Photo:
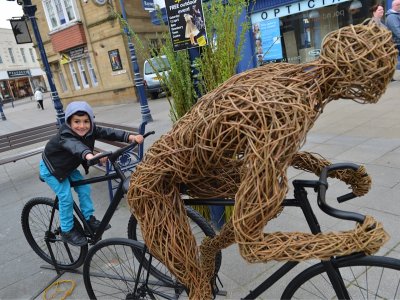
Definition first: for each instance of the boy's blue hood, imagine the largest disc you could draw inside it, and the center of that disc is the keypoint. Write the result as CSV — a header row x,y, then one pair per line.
x,y
76,106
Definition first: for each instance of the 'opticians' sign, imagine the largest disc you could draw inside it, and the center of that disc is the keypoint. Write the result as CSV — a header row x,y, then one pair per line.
x,y
290,9
18,73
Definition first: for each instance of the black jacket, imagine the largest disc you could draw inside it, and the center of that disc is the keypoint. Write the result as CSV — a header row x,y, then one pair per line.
x,y
66,151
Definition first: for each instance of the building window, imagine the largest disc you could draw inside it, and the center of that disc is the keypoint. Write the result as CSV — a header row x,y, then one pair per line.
x,y
10,51
23,54
74,76
1,60
59,12
92,73
63,83
32,55
82,72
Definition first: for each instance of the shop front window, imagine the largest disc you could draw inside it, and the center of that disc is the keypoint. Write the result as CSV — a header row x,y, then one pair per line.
x,y
297,37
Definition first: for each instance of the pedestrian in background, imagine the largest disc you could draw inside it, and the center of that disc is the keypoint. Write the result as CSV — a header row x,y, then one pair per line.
x,y
393,21
378,11
39,98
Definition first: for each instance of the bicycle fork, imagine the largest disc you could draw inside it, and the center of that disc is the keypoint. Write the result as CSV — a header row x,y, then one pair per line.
x,y
50,237
333,273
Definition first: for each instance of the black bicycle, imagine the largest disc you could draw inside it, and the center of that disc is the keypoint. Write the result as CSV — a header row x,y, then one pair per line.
x,y
119,268
41,227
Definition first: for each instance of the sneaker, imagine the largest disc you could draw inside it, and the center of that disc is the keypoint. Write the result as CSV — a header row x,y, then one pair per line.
x,y
95,224
74,237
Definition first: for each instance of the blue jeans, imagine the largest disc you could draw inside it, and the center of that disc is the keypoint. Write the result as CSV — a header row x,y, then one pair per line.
x,y
65,199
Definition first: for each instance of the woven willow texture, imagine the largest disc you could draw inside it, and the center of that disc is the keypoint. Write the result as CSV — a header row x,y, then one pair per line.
x,y
238,141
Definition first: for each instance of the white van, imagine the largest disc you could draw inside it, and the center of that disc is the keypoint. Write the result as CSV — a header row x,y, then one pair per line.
x,y
151,80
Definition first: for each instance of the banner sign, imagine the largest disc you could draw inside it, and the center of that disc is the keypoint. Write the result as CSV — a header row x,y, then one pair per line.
x,y
77,53
73,54
186,24
21,31
148,4
290,9
271,46
19,73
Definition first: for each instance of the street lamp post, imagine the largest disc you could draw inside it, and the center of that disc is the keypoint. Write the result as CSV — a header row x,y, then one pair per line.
x,y
30,10
144,107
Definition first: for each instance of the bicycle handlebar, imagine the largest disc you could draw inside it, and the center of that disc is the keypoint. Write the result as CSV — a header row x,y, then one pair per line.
x,y
323,186
112,156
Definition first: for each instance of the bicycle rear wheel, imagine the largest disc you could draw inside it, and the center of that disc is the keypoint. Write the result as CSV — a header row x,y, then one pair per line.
x,y
114,270
200,228
35,220
364,277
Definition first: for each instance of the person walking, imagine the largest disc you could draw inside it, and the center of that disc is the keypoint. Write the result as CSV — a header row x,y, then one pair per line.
x,y
3,116
393,22
39,98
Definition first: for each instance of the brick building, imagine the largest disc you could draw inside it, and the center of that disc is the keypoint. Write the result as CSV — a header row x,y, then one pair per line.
x,y
87,49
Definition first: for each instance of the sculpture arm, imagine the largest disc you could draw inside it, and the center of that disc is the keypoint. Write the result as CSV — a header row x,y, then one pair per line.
x,y
359,180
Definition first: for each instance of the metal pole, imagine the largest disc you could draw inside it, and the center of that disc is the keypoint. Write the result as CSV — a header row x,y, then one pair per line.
x,y
144,107
30,10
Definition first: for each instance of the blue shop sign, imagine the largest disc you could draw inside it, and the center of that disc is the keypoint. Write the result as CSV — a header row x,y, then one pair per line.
x,y
19,73
292,8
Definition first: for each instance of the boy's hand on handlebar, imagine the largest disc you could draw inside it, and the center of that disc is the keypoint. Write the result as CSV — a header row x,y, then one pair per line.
x,y
136,138
102,160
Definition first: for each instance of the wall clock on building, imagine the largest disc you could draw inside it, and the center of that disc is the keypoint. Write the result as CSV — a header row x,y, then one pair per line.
x,y
100,2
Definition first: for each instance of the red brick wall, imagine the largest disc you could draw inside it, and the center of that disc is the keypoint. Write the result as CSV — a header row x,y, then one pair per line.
x,y
68,38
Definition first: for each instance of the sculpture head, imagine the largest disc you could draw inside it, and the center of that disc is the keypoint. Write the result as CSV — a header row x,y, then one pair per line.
x,y
364,58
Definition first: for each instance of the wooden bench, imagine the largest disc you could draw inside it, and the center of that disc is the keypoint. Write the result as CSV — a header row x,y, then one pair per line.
x,y
16,140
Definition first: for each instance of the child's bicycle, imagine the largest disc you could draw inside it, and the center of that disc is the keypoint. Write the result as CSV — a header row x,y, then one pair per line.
x,y
41,227
119,268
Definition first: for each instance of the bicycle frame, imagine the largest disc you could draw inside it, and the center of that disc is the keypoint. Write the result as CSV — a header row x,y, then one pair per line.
x,y
119,194
300,200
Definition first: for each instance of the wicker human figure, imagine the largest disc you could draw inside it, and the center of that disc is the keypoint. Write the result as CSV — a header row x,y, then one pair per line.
x,y
239,140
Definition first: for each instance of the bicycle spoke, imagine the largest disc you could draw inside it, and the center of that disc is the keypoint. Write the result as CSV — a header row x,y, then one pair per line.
x,y
368,277
113,271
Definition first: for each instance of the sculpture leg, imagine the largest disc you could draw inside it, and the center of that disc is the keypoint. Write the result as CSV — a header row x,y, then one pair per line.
x,y
210,246
258,200
167,233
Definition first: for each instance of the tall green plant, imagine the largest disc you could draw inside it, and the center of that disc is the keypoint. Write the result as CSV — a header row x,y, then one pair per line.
x,y
220,58
217,62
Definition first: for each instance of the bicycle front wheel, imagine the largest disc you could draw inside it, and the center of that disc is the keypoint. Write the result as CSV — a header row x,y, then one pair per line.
x,y
35,220
365,277
200,229
114,270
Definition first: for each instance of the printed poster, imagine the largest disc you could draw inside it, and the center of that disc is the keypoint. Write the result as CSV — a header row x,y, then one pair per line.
x,y
186,24
268,42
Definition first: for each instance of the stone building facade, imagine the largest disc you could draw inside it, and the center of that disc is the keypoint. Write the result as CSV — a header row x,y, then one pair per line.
x,y
87,48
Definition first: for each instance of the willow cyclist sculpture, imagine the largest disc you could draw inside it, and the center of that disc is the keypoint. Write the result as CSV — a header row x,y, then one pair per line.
x,y
238,142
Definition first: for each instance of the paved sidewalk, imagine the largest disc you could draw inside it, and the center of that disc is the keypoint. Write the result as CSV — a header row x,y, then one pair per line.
x,y
346,131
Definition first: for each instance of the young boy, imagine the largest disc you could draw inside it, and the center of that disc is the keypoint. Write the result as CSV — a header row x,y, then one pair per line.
x,y
72,146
